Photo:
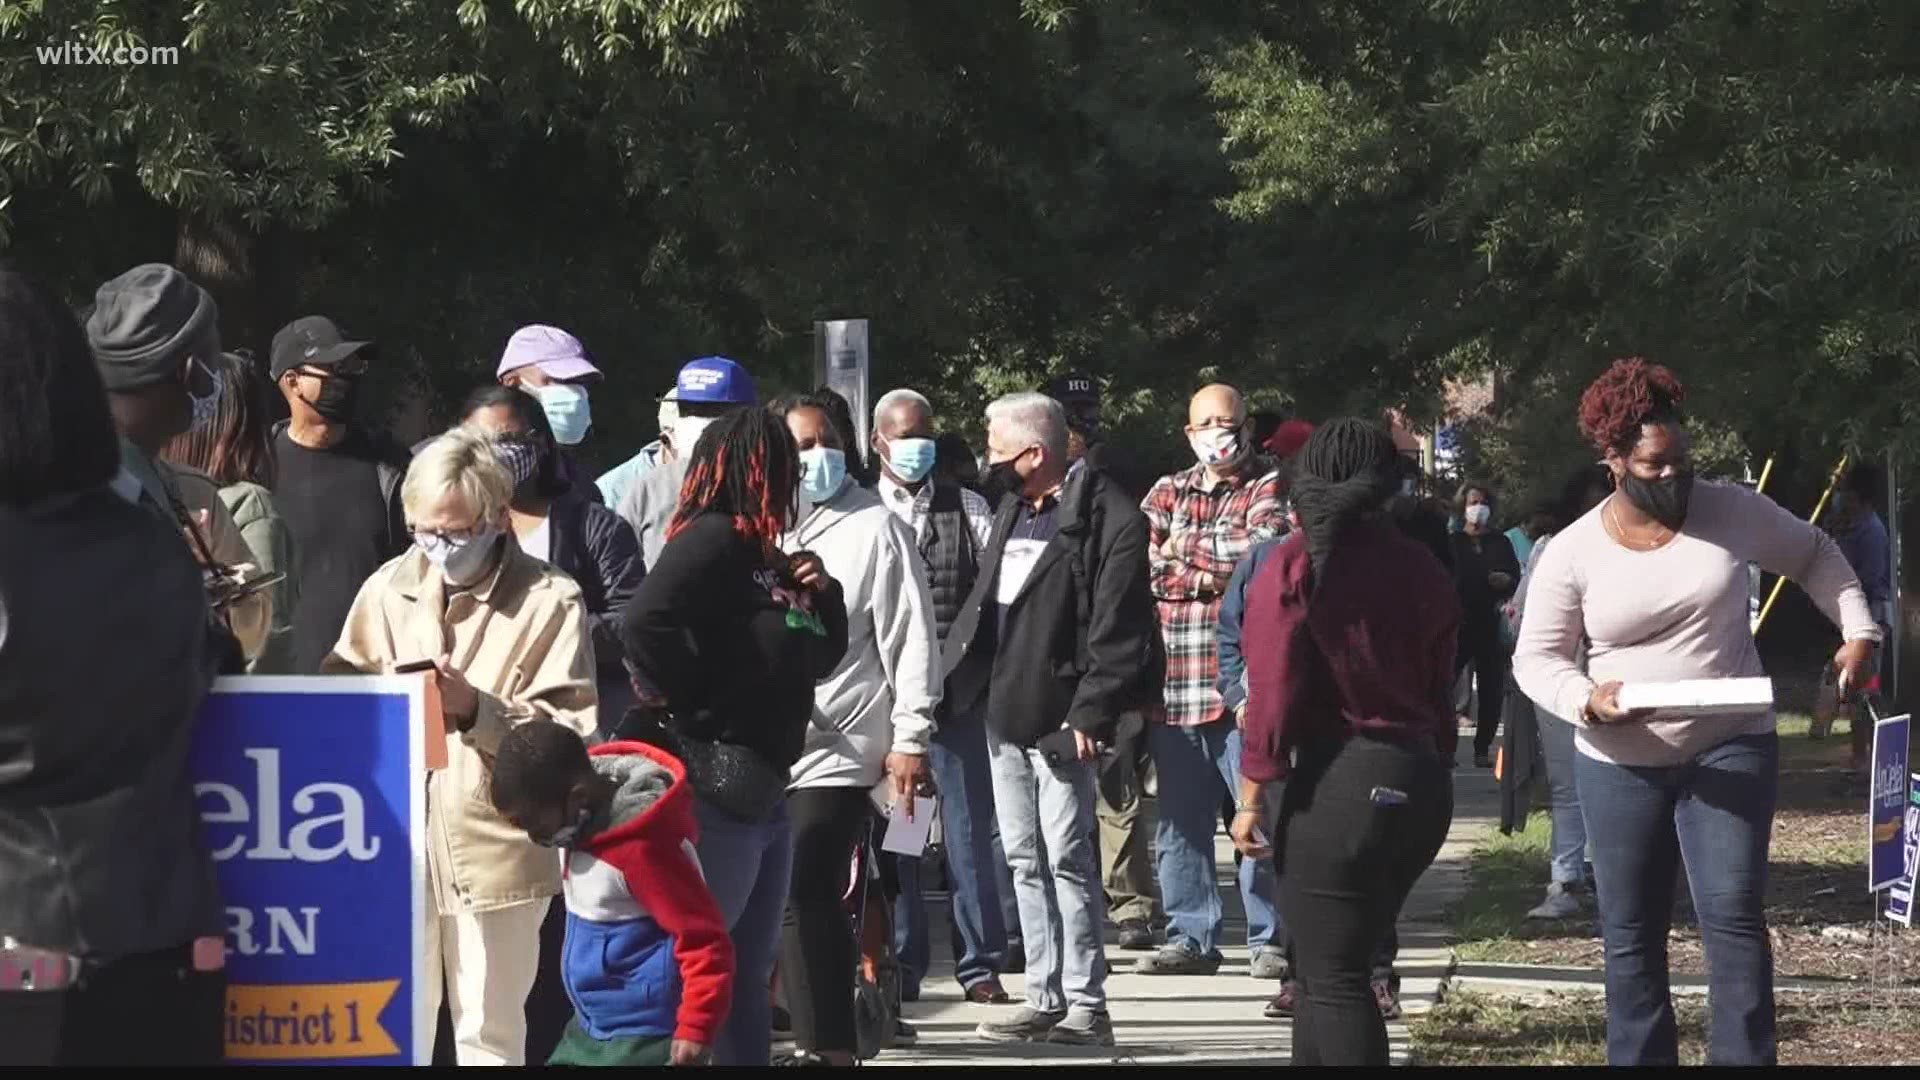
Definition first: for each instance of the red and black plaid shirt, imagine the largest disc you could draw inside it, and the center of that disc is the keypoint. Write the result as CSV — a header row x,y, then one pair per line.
x,y
1215,527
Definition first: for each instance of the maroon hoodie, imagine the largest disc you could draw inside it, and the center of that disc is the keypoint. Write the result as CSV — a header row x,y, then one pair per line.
x,y
1372,652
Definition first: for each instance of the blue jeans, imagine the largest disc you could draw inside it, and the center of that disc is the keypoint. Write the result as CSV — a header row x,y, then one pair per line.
x,y
1197,765
1047,822
981,886
1557,744
1715,815
747,868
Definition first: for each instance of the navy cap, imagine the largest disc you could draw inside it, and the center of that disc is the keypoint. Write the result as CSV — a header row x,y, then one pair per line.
x,y
714,380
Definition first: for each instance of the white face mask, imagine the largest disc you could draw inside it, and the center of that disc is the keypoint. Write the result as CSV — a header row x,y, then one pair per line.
x,y
1479,514
686,434
462,564
1217,446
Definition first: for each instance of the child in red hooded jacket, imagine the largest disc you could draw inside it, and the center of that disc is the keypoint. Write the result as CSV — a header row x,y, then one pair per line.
x,y
648,964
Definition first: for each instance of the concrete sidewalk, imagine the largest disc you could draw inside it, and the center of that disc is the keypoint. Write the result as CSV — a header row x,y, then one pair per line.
x,y
1212,1020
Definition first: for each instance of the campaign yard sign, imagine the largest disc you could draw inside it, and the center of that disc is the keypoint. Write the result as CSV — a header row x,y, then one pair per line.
x,y
1900,896
1887,805
312,798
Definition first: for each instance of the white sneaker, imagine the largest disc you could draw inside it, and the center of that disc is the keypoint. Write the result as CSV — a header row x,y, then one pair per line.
x,y
1562,902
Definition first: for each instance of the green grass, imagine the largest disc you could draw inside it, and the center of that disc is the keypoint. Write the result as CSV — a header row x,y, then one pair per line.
x,y
1506,877
1479,1029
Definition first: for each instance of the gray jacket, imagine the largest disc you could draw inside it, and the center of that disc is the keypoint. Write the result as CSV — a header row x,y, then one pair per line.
x,y
650,503
104,664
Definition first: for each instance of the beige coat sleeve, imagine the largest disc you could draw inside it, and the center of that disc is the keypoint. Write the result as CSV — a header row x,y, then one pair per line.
x,y
554,678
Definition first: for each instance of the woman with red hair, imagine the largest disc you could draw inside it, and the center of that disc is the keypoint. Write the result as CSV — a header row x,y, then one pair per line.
x,y
1653,583
734,633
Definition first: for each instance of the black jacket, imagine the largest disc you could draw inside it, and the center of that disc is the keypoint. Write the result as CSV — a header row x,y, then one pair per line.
x,y
1081,646
104,664
597,549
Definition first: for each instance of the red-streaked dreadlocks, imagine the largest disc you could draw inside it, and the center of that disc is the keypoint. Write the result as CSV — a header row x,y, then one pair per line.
x,y
744,466
1632,392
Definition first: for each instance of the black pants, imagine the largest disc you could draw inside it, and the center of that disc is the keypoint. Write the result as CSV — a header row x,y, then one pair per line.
x,y
1348,859
151,1009
1488,655
818,954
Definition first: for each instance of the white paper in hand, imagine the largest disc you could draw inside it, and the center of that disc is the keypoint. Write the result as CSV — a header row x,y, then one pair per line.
x,y
909,837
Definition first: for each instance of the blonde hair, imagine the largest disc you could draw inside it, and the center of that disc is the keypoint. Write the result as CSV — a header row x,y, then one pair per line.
x,y
463,461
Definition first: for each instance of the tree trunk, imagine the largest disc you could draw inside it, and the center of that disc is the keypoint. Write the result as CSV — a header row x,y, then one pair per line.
x,y
245,272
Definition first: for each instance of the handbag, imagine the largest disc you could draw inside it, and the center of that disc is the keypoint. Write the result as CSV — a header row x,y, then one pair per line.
x,y
739,782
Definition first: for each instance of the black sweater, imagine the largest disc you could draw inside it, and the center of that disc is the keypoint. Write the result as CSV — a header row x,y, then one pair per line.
x,y
707,628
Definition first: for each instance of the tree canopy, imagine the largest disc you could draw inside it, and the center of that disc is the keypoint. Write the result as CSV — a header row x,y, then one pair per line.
x,y
1338,207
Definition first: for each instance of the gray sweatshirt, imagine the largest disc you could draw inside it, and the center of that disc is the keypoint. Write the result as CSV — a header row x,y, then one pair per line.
x,y
882,696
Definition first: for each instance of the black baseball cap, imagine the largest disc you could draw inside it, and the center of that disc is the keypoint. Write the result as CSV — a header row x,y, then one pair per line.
x,y
312,339
1074,388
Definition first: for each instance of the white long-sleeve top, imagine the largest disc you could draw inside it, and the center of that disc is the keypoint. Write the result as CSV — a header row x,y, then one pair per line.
x,y
1673,613
881,698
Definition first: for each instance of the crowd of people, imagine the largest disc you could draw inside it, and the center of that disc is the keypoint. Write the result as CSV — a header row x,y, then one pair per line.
x,y
679,697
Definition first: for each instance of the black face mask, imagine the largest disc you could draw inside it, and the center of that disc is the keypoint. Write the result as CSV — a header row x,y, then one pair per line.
x,y
1664,500
1000,481
336,399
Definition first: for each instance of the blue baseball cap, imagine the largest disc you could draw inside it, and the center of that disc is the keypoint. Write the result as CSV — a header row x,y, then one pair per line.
x,y
714,380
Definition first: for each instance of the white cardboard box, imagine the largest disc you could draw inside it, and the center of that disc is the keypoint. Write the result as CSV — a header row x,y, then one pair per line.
x,y
1699,697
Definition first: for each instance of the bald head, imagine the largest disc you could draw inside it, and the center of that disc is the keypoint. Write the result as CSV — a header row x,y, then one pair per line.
x,y
1218,406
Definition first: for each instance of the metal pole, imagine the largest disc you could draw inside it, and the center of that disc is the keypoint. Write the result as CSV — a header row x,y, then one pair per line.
x,y
1818,509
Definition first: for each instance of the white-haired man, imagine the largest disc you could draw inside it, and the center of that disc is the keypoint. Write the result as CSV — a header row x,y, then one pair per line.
x,y
1058,633
951,527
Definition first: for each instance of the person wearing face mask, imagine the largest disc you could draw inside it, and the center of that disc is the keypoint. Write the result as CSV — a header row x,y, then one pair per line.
x,y
235,450
509,640
733,634
651,966
873,720
155,338
951,525
1654,583
617,481
705,390
1201,523
557,524
337,483
1079,394
1058,638
1486,572
552,365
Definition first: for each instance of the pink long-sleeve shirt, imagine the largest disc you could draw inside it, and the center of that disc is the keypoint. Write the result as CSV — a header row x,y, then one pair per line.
x,y
1677,612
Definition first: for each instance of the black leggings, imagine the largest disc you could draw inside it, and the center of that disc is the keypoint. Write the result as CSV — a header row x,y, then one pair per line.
x,y
1350,853
150,1009
1490,663
818,954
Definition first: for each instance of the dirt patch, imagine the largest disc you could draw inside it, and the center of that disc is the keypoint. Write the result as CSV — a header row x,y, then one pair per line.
x,y
1841,1028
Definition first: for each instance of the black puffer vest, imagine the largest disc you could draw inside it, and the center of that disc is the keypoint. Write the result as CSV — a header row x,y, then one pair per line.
x,y
948,547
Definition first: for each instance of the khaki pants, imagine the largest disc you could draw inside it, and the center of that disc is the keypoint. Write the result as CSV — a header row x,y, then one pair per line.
x,y
1126,859
489,960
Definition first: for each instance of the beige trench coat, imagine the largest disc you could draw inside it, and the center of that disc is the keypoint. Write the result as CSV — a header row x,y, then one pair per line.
x,y
521,639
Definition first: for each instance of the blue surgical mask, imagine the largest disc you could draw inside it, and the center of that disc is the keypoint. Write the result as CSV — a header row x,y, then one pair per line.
x,y
567,410
911,459
822,471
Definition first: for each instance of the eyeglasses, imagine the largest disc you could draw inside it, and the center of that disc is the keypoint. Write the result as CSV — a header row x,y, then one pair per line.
x,y
451,537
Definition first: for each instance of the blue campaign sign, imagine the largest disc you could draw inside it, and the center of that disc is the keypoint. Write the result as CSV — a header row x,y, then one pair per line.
x,y
1900,896
312,795
1887,805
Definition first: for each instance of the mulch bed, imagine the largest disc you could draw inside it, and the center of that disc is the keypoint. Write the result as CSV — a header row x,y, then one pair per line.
x,y
1854,1027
